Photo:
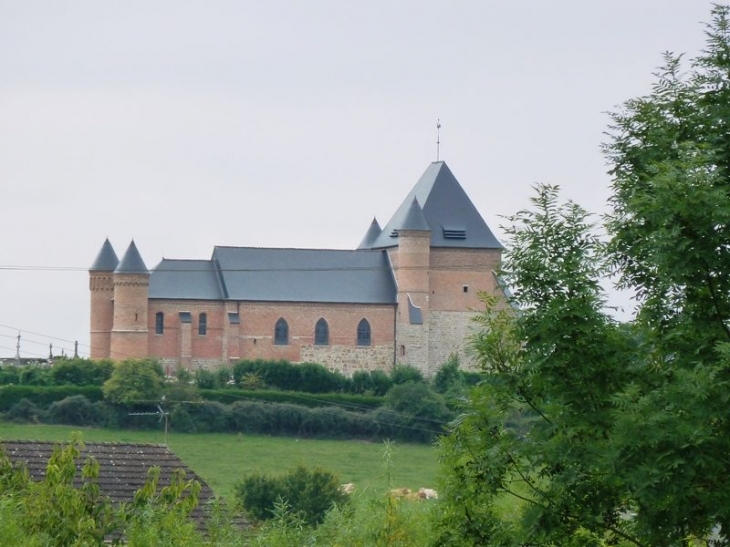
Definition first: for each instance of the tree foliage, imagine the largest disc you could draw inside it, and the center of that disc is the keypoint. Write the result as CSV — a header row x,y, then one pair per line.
x,y
134,381
597,432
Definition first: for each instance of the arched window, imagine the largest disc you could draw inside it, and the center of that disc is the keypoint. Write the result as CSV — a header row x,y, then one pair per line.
x,y
321,333
203,324
281,333
363,333
159,323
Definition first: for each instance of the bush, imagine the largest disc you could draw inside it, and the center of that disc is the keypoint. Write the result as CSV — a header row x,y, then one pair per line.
x,y
448,377
76,410
25,412
206,379
81,372
425,411
309,493
381,382
42,396
406,373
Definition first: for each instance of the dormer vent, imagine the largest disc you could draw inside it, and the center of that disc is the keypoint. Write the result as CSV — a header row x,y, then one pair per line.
x,y
454,232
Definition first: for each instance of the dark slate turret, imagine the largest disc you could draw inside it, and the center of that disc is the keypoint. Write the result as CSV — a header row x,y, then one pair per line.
x,y
371,235
106,260
132,262
414,219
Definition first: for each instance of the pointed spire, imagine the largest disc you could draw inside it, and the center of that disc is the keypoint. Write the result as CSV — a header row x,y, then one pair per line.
x,y
371,235
414,219
452,217
106,260
132,262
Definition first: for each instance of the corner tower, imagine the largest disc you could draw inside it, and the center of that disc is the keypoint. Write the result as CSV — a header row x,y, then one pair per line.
x,y
101,287
462,255
129,336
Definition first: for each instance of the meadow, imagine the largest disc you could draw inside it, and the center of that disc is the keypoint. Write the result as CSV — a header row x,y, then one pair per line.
x,y
222,459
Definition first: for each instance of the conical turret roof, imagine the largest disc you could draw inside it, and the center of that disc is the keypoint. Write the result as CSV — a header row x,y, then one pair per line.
x,y
106,260
371,235
414,219
132,262
448,212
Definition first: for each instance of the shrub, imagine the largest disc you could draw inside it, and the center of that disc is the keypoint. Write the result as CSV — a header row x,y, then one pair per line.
x,y
309,493
448,377
381,382
362,382
406,373
206,379
81,372
425,411
76,410
25,412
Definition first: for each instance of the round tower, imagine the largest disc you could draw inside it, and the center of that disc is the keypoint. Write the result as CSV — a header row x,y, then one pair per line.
x,y
411,263
101,288
129,336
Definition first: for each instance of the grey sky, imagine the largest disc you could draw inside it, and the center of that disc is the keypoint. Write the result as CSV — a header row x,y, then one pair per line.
x,y
186,125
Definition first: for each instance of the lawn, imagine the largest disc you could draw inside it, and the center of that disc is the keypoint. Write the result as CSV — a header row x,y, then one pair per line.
x,y
221,459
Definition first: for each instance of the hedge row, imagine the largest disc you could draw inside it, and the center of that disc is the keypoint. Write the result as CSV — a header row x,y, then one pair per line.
x,y
240,417
43,396
351,402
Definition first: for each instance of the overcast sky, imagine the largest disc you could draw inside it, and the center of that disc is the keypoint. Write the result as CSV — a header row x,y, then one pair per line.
x,y
184,125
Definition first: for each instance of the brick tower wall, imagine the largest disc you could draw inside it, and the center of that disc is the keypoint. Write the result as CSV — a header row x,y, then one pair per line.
x,y
101,320
411,264
130,330
458,276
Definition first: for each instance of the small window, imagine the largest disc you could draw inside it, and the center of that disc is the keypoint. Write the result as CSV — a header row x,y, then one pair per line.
x,y
466,288
203,324
159,323
363,333
281,333
402,351
321,333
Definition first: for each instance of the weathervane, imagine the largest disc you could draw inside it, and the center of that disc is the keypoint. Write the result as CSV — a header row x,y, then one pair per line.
x,y
438,137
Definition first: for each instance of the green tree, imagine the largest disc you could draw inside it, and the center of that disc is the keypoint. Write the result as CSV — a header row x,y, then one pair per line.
x,y
598,433
134,381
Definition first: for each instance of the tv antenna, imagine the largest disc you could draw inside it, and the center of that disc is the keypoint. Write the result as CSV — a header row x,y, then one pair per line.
x,y
160,412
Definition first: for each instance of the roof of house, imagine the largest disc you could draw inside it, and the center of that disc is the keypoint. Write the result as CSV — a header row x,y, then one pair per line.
x,y
123,467
106,260
449,213
278,275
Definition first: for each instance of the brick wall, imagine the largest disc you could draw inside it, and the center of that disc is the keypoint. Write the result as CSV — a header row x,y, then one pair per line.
x,y
253,338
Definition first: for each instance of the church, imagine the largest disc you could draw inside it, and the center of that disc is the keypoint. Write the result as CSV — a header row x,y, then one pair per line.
x,y
406,295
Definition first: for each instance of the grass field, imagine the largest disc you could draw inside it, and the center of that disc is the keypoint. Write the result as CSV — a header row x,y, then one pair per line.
x,y
221,459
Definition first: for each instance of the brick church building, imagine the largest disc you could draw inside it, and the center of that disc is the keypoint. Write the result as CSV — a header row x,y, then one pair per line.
x,y
405,295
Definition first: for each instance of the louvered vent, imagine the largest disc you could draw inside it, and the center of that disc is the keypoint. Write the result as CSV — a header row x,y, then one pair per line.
x,y
454,233
394,233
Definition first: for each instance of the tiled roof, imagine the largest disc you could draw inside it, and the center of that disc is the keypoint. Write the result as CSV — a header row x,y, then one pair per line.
x,y
123,467
186,280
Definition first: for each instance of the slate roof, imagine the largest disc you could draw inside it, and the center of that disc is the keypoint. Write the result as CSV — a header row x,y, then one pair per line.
x,y
371,235
123,467
306,275
186,279
278,275
106,260
131,261
449,213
